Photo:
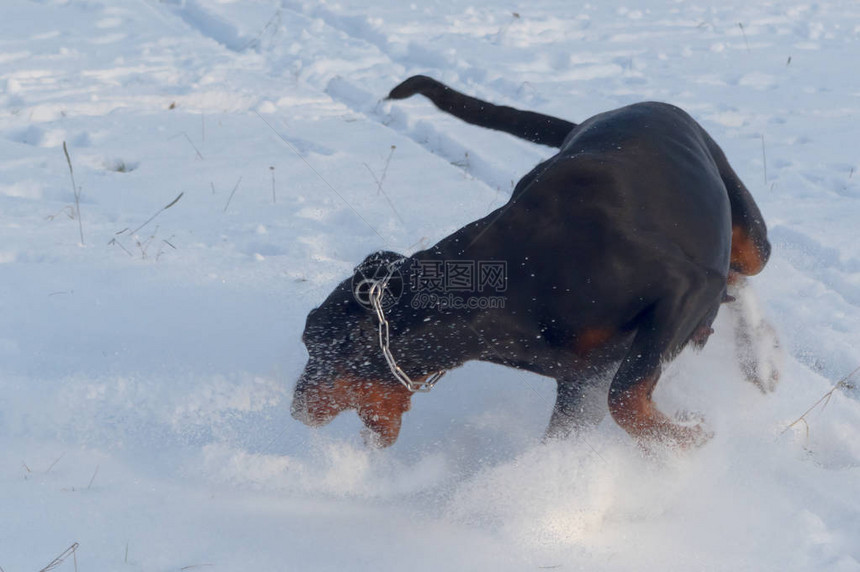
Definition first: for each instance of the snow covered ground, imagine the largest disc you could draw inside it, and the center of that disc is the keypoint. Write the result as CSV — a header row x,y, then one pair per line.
x,y
146,370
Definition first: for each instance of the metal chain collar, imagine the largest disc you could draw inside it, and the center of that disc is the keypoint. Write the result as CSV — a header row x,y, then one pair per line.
x,y
377,291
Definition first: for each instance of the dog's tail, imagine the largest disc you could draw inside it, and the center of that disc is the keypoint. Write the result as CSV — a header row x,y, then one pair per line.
x,y
528,125
750,246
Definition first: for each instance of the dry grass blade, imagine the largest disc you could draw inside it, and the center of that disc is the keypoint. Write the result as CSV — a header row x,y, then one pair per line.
x,y
161,210
274,196
93,478
329,185
70,551
173,202
69,211
381,180
233,192
825,399
741,26
274,24
115,242
54,464
196,150
76,192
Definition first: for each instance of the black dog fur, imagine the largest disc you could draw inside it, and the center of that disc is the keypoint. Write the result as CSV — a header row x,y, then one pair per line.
x,y
618,251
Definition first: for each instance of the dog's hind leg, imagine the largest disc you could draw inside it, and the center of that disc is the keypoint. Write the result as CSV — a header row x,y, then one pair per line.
x,y
574,410
528,125
632,387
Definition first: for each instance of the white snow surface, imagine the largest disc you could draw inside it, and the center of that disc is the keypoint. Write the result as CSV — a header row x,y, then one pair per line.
x,y
146,372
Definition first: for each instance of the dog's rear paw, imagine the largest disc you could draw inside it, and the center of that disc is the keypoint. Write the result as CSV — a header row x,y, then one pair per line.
x,y
687,418
687,431
674,437
694,436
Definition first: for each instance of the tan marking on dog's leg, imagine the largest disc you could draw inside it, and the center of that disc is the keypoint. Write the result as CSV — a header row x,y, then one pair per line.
x,y
634,410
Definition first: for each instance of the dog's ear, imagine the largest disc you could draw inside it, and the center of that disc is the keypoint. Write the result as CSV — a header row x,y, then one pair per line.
x,y
382,266
380,258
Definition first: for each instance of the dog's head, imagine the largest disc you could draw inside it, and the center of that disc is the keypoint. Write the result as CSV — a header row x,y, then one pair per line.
x,y
346,368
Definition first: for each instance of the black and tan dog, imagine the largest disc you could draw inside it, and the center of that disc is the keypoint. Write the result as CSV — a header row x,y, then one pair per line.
x,y
616,252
